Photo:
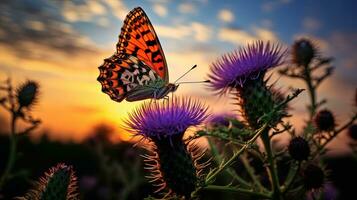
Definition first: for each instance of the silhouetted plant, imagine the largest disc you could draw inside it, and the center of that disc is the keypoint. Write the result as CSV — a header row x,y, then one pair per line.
x,y
18,102
58,183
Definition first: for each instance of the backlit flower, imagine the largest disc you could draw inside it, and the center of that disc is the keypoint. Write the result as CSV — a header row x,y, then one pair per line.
x,y
233,69
169,118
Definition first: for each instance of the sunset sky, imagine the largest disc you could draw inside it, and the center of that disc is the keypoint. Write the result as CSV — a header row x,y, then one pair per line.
x,y
61,44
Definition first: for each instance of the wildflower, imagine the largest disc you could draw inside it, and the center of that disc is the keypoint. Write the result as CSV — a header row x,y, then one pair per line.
x,y
303,52
299,149
234,69
58,183
314,177
324,120
27,94
244,70
352,131
173,163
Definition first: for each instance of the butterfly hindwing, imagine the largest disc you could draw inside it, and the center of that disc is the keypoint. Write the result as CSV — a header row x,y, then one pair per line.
x,y
138,39
122,74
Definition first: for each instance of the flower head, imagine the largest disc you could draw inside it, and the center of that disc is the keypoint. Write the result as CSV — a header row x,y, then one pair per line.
x,y
314,177
232,69
324,120
167,118
303,51
27,93
299,149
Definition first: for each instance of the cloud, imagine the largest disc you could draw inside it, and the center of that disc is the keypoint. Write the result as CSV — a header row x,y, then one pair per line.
x,y
160,10
240,37
311,24
186,8
174,32
84,11
201,32
198,31
269,6
117,7
267,23
38,32
225,15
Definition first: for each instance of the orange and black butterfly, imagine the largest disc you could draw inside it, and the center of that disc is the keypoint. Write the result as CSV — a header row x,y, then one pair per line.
x,y
138,69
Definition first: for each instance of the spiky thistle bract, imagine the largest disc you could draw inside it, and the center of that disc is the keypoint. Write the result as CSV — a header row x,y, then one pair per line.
x,y
58,183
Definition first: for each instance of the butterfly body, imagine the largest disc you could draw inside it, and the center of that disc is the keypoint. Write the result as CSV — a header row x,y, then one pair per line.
x,y
138,68
156,90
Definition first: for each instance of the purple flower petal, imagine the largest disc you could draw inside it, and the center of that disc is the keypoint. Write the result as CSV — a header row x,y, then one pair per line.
x,y
232,69
166,118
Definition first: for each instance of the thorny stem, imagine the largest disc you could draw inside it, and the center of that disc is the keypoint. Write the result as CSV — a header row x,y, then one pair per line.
x,y
311,89
12,151
291,176
250,171
274,179
231,172
238,190
223,166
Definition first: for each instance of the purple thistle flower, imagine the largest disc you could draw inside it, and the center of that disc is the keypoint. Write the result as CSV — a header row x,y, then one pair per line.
x,y
232,69
167,118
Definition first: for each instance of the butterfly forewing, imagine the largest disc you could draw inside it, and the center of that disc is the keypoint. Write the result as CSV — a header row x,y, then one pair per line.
x,y
138,39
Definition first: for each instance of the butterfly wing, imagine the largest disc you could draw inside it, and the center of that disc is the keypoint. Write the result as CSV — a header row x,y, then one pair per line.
x,y
122,74
138,39
138,63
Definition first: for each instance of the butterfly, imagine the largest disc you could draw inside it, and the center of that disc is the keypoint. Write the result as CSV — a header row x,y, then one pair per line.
x,y
138,68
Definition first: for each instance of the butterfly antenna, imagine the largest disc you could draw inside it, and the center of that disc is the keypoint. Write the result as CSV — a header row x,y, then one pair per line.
x,y
185,73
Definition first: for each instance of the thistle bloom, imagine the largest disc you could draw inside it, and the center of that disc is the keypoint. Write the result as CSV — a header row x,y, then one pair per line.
x,y
233,69
173,164
173,117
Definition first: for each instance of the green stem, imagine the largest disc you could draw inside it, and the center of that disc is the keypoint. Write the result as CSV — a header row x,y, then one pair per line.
x,y
12,151
312,92
223,166
274,179
232,173
251,172
238,190
294,168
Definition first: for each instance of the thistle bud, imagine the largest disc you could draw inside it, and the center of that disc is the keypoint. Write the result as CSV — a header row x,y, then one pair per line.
x,y
303,51
59,183
324,121
27,94
352,131
314,177
299,149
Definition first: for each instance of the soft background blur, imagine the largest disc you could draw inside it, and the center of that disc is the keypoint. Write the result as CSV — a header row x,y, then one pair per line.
x,y
61,44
